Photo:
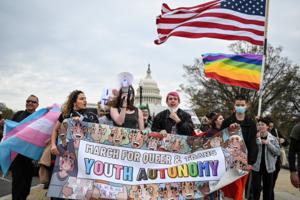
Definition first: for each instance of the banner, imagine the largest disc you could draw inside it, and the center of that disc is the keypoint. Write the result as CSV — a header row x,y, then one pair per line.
x,y
99,161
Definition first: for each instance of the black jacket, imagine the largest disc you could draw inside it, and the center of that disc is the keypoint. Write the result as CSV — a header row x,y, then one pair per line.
x,y
249,131
277,134
162,121
294,149
20,115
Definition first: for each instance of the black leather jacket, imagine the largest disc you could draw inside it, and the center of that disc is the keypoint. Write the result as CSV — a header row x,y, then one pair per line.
x,y
162,121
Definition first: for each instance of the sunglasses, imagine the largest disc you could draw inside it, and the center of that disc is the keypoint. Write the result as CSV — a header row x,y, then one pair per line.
x,y
30,101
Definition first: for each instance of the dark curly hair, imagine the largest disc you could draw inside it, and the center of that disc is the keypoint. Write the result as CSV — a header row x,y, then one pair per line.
x,y
69,104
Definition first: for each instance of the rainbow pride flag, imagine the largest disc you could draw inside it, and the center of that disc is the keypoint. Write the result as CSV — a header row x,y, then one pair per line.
x,y
243,70
27,137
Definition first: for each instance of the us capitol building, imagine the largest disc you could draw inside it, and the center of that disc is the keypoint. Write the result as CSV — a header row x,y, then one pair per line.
x,y
150,93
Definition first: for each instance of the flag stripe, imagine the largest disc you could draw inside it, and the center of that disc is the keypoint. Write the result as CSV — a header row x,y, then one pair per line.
x,y
15,130
206,21
166,31
233,82
17,145
39,137
214,30
234,72
240,63
44,126
249,58
167,9
233,65
222,16
225,36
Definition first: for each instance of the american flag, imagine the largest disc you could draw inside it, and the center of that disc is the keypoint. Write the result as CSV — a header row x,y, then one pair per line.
x,y
222,19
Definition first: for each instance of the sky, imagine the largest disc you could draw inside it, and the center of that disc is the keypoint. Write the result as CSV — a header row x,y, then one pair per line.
x,y
51,47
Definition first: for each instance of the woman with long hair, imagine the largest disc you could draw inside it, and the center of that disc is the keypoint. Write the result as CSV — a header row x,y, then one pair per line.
x,y
74,107
124,113
216,124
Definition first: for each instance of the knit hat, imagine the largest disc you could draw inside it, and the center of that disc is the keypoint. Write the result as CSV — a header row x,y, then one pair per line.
x,y
156,135
175,94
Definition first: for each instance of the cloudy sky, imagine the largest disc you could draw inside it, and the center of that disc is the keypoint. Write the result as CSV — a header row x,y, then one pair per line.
x,y
52,47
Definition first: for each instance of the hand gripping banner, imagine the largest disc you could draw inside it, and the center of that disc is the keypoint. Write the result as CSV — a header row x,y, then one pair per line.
x,y
98,161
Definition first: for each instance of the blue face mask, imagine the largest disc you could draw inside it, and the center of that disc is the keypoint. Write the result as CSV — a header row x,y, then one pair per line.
x,y
240,109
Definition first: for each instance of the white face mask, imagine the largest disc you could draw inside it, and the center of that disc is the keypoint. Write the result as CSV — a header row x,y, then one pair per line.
x,y
173,109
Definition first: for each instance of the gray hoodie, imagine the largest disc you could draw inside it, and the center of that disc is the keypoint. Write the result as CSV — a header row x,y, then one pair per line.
x,y
272,150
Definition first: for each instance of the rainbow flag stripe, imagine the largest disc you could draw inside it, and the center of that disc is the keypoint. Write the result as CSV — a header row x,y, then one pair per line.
x,y
241,70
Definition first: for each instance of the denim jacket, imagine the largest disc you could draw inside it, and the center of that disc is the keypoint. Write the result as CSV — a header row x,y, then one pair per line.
x,y
272,150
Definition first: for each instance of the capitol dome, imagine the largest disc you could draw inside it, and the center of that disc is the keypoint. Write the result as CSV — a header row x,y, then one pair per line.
x,y
150,91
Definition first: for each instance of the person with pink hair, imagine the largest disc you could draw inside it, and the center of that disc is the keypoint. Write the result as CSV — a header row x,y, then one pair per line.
x,y
173,120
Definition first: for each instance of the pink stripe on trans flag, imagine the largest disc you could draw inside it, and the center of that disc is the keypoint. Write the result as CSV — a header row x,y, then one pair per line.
x,y
34,137
16,130
51,116
39,131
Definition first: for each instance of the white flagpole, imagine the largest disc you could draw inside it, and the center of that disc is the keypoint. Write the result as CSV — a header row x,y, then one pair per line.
x,y
264,59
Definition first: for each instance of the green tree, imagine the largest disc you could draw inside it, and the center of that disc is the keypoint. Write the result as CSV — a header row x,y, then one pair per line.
x,y
7,113
280,94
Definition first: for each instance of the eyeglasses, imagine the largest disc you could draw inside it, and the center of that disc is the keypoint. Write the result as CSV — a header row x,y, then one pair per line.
x,y
30,101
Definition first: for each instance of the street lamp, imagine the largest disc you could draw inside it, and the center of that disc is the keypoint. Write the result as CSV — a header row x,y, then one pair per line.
x,y
141,94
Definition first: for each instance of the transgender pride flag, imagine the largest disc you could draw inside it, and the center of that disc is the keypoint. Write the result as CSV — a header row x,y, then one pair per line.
x,y
27,137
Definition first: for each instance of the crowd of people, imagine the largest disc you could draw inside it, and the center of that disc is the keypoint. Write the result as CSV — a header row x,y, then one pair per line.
x,y
262,139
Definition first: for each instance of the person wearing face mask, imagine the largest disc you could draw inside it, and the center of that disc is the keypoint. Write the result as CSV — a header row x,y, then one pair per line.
x,y
173,120
239,118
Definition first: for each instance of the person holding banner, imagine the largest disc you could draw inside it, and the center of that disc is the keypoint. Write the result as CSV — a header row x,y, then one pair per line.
x,y
173,120
74,107
240,119
22,167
